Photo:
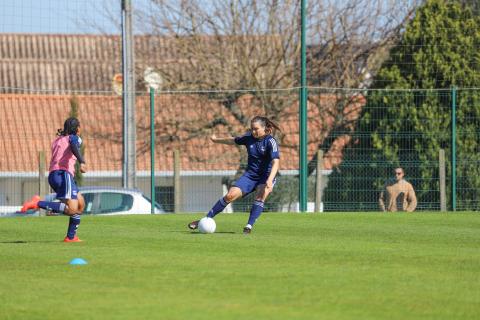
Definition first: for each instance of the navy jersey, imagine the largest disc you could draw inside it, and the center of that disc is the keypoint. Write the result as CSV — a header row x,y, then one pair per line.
x,y
261,152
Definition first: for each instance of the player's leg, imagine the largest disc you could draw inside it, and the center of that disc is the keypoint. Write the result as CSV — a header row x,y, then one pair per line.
x,y
233,194
81,203
75,206
257,208
243,186
59,181
73,221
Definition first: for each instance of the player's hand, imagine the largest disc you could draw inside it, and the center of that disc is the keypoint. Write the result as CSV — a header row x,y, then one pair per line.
x,y
269,186
213,137
83,167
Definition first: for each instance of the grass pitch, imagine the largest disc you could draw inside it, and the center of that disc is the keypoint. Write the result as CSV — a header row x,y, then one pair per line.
x,y
294,266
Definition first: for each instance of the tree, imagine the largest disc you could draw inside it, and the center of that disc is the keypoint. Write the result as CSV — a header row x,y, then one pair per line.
x,y
248,47
410,121
472,4
74,106
248,44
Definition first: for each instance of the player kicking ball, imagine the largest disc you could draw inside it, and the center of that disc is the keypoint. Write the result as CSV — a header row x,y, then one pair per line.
x,y
65,152
263,165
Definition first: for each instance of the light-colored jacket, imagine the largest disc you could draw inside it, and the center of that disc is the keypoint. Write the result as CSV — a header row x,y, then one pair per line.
x,y
398,195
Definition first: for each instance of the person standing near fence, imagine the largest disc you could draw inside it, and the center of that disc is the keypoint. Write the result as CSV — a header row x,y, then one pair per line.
x,y
398,194
263,166
65,152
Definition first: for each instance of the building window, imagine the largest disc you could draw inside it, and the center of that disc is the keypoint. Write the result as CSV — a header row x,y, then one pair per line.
x,y
165,196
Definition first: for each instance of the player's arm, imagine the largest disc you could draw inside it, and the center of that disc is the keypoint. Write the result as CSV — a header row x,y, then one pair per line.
x,y
75,142
275,156
224,140
381,202
273,172
411,199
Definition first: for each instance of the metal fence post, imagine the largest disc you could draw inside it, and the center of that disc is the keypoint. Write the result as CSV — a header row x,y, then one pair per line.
x,y
176,181
42,187
319,183
454,148
303,116
128,100
442,182
152,148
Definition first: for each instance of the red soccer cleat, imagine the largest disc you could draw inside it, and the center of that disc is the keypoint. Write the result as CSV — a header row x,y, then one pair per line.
x,y
75,239
30,204
193,225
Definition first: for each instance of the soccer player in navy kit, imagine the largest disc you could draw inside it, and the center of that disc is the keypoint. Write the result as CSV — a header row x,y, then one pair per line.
x,y
263,165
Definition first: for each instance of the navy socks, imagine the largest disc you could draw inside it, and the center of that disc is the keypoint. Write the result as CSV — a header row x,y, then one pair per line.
x,y
52,206
217,208
255,212
73,226
59,207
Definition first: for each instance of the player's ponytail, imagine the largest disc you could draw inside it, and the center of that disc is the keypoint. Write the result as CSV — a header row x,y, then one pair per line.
x,y
270,126
69,127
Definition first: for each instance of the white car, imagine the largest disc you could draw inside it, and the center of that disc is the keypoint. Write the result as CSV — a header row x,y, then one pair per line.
x,y
112,201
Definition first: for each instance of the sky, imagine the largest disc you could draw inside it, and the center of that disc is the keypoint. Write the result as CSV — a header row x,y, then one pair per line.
x,y
68,16
59,16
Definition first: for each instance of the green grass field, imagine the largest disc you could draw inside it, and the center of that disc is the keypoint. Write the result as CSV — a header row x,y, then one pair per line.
x,y
294,266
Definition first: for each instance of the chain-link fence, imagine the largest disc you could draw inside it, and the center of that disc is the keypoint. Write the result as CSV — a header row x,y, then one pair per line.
x,y
60,59
361,137
408,129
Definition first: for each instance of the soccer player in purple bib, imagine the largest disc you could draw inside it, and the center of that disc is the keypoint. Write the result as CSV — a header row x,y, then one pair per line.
x,y
65,152
263,165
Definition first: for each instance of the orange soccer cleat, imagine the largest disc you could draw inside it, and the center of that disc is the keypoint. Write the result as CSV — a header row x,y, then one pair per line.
x,y
75,239
30,204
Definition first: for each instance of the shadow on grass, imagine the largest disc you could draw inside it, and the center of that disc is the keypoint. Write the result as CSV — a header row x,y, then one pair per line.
x,y
30,241
195,232
220,232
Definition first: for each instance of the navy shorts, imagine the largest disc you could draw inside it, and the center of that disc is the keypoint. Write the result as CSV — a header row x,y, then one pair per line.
x,y
62,182
248,185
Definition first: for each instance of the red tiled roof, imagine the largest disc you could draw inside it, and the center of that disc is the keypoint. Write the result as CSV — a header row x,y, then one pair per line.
x,y
28,124
62,63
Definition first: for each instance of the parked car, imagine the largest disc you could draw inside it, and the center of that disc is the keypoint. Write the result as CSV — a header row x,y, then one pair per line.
x,y
112,201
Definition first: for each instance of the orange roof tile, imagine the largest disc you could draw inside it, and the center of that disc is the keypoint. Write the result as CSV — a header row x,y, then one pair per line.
x,y
28,124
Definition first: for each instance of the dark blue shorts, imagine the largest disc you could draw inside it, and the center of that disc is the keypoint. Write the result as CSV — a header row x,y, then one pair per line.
x,y
248,185
62,182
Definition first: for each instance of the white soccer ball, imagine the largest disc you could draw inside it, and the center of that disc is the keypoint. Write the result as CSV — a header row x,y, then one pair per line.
x,y
207,225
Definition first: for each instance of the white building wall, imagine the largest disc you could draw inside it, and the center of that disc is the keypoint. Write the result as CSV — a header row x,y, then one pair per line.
x,y
200,190
14,191
199,193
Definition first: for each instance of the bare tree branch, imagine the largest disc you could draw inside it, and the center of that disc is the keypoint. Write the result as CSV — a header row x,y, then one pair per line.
x,y
255,44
